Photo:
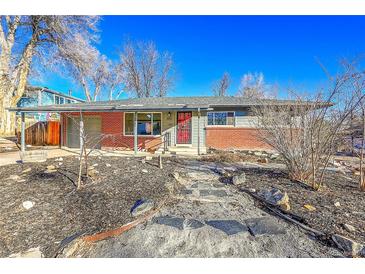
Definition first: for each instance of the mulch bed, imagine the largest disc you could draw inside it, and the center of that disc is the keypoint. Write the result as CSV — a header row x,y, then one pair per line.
x,y
327,217
60,211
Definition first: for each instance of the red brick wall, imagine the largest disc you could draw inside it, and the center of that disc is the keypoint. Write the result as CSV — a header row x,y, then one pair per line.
x,y
234,138
112,124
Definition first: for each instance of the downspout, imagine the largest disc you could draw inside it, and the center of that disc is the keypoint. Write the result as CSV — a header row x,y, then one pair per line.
x,y
198,131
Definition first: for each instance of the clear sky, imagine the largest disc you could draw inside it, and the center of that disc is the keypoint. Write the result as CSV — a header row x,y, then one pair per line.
x,y
284,48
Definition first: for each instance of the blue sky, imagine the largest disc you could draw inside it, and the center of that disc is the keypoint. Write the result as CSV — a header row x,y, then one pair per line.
x,y
284,48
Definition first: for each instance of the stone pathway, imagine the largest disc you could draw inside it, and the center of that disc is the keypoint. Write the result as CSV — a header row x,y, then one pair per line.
x,y
210,219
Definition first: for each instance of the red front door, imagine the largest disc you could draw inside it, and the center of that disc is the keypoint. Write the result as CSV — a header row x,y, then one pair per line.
x,y
184,127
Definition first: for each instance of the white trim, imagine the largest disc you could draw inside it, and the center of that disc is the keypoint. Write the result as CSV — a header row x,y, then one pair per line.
x,y
234,119
131,135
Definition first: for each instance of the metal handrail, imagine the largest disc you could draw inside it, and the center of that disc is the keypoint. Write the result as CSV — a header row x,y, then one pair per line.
x,y
166,141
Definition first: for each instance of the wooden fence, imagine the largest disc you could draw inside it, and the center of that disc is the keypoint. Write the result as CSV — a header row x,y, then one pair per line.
x,y
42,133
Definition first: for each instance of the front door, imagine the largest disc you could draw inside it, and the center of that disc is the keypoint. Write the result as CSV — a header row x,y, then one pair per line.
x,y
184,127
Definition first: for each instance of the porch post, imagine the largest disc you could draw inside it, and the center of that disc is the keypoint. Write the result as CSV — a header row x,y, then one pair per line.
x,y
135,136
22,132
61,130
198,131
81,133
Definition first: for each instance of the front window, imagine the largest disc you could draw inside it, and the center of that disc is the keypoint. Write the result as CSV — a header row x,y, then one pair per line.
x,y
221,118
147,124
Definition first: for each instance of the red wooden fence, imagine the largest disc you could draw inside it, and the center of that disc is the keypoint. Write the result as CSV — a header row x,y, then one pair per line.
x,y
42,133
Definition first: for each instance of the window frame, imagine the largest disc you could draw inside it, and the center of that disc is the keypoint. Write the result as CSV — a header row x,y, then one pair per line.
x,y
148,112
224,111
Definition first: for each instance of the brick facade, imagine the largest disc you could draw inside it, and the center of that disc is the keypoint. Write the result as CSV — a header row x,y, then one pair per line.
x,y
234,138
112,125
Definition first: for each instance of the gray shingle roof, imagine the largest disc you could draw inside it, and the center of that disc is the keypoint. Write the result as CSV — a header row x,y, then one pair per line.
x,y
159,103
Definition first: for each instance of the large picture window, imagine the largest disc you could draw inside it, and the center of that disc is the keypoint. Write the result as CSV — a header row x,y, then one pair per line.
x,y
221,118
147,124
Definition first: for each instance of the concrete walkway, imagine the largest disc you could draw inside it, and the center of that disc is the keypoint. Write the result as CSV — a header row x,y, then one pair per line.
x,y
9,158
210,219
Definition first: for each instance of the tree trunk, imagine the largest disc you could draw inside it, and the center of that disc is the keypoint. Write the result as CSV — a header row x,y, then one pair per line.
x,y
362,179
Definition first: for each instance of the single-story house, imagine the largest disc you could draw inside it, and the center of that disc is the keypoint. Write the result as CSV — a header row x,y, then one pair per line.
x,y
167,123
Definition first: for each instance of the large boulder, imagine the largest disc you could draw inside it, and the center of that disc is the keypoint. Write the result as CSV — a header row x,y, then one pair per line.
x,y
276,197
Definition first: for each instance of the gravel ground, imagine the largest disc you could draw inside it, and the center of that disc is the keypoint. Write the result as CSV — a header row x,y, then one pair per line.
x,y
209,219
59,211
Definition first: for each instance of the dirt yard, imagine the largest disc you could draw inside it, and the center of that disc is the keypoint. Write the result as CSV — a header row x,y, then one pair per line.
x,y
340,201
59,211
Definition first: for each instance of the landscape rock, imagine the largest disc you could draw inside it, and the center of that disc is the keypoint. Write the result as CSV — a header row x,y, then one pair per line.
x,y
239,179
95,165
59,159
212,192
144,170
28,204
30,253
230,227
141,206
176,175
274,156
362,252
14,177
170,221
349,228
258,153
348,246
148,158
192,224
21,181
263,161
309,207
264,225
93,173
51,167
60,164
26,170
276,197
337,204
108,165
47,171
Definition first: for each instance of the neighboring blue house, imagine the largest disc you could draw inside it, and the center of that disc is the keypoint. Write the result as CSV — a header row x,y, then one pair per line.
x,y
42,96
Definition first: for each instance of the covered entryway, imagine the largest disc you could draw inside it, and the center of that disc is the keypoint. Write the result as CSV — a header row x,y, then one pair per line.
x,y
92,127
184,127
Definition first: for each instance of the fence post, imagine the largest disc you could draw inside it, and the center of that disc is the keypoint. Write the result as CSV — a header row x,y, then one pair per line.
x,y
22,132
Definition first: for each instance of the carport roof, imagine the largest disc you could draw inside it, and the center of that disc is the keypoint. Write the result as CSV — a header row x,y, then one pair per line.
x,y
157,103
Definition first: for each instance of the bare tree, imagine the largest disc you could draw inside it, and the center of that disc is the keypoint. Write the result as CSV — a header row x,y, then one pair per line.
x,y
115,80
146,72
221,86
253,86
22,38
307,132
89,143
87,67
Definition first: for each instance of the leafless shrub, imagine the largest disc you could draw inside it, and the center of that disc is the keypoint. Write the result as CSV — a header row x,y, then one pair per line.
x,y
307,131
